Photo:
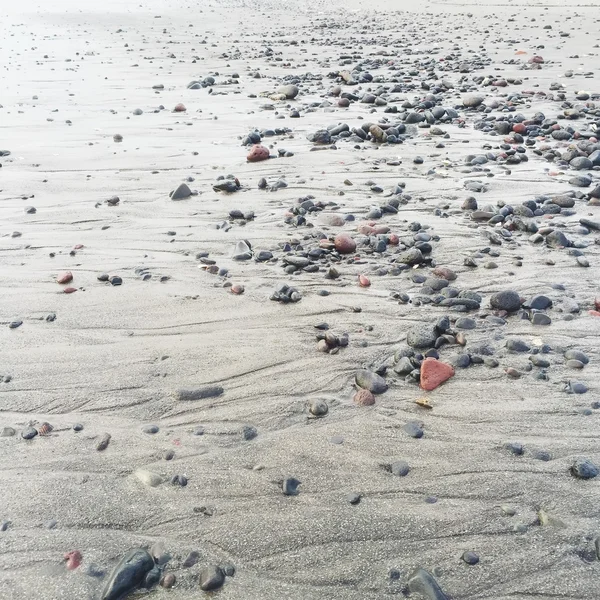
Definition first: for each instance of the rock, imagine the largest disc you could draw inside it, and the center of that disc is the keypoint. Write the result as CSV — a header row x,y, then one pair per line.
x,y
211,578
557,239
517,346
188,394
289,91
434,373
353,498
422,582
541,319
421,336
344,244
103,443
364,398
411,257
368,380
168,581
65,277
179,107
577,355
148,477
584,469
465,323
29,433
289,486
414,429
150,429
115,280
182,192
470,558
472,100
242,251
320,137
7,432
400,468
73,559
507,300
128,575
538,303
258,153
318,408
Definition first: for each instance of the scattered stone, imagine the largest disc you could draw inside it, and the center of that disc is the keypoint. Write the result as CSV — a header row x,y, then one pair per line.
x,y
434,373
368,380
211,578
364,398
128,575
422,582
289,486
584,469
181,193
189,394
507,300
148,477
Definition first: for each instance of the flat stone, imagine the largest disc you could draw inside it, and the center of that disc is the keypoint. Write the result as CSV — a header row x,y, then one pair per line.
x,y
188,394
400,468
517,346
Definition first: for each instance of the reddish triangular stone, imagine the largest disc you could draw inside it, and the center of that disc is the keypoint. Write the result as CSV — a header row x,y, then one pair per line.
x,y
434,373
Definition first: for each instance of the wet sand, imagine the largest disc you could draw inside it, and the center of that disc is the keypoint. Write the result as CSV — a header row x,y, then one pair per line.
x,y
115,356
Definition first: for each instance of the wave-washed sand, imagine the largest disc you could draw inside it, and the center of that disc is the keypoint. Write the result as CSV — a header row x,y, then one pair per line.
x,y
416,132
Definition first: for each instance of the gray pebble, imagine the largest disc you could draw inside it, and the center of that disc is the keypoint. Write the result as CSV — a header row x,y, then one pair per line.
x,y
584,469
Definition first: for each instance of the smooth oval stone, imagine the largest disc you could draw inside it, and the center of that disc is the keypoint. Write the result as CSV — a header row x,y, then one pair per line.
x,y
400,468
574,364
7,432
211,578
465,323
129,573
368,380
470,558
584,469
517,346
29,433
515,447
150,429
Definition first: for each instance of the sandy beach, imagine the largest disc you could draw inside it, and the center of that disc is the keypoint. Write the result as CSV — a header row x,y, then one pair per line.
x,y
161,398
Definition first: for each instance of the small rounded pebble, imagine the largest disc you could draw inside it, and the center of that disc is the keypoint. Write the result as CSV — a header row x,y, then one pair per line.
x,y
470,558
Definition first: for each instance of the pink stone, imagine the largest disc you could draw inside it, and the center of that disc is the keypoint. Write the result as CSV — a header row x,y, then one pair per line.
x,y
434,373
344,244
65,277
258,153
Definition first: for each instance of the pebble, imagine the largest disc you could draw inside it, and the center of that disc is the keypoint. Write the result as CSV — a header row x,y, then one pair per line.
x,y
318,408
103,443
150,429
584,469
414,429
211,578
168,581
289,486
400,468
29,433
353,498
422,582
470,558
364,398
434,373
507,300
368,380
128,574
181,192
203,393
148,477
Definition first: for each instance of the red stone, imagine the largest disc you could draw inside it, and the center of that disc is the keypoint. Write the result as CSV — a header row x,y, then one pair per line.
x,y
65,277
344,244
69,290
258,153
434,373
179,108
364,398
594,313
393,239
519,128
73,559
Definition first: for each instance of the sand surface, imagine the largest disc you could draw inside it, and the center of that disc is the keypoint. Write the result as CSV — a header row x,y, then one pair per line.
x,y
72,73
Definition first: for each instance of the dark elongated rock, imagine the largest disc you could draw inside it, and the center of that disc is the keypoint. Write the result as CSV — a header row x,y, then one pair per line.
x,y
212,391
211,578
129,574
422,582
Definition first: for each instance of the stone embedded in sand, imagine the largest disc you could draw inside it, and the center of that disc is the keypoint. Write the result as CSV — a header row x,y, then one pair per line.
x,y
421,336
364,398
434,373
73,559
507,300
258,153
65,277
183,191
557,239
422,582
129,574
179,108
103,443
148,477
344,244
369,380
168,581
211,578
584,469
444,273
188,394
470,557
400,468
69,290
318,408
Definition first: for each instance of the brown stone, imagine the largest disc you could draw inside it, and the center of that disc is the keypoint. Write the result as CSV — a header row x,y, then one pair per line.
x,y
258,153
344,244
364,398
434,373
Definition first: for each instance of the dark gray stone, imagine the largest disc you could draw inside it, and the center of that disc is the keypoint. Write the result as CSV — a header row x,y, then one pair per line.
x,y
400,468
186,394
422,582
584,469
507,300
369,380
128,575
421,336
211,578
